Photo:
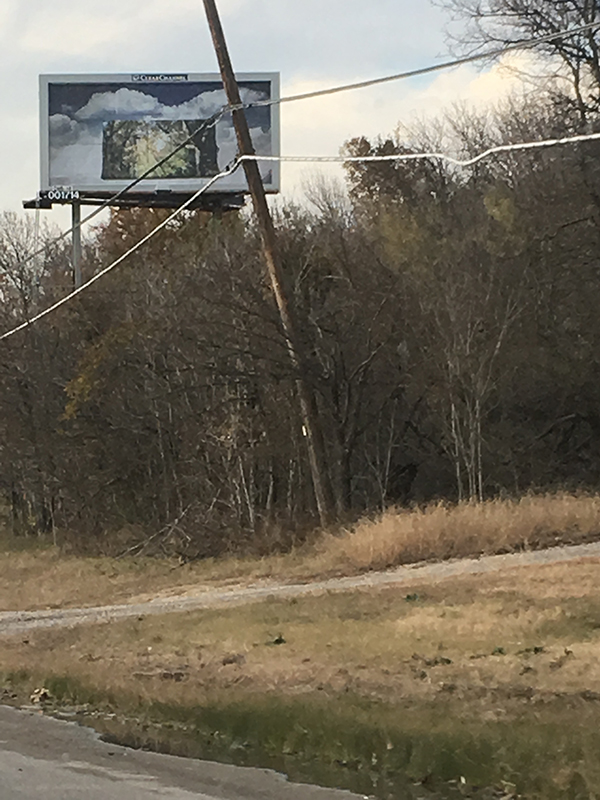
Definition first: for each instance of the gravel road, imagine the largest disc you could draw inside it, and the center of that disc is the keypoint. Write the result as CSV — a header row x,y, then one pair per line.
x,y
41,757
19,621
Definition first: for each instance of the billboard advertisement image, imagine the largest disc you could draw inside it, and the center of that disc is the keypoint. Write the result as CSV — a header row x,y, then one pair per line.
x,y
100,132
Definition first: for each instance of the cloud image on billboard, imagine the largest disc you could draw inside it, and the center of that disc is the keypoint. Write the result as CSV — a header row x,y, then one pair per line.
x,y
100,133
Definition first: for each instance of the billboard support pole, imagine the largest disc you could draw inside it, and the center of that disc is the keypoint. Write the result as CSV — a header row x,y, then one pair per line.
x,y
76,226
308,406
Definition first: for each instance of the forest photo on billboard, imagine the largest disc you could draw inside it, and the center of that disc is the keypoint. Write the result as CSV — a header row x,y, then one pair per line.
x,y
131,147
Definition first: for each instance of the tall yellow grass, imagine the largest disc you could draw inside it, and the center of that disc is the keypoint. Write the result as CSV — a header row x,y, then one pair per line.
x,y
445,531
44,578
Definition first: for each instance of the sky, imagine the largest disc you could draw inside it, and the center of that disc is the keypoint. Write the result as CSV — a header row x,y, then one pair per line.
x,y
312,43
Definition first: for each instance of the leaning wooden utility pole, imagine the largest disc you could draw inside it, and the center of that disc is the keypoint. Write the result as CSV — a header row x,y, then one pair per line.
x,y
314,436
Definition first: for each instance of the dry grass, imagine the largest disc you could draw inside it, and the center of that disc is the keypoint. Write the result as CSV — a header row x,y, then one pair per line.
x,y
45,578
443,531
502,667
527,633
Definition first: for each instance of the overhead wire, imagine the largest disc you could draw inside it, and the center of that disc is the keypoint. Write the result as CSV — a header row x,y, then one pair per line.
x,y
224,173
209,123
459,162
212,121
519,146
524,44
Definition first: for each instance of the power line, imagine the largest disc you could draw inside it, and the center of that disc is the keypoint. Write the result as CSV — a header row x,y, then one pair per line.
x,y
211,121
305,159
227,171
207,124
525,44
467,162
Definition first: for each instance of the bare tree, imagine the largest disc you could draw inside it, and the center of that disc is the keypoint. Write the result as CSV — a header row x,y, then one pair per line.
x,y
574,58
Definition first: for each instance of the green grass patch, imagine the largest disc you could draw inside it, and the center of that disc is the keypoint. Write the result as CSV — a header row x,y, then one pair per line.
x,y
381,749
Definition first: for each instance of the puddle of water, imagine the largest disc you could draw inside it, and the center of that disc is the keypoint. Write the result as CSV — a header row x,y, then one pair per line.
x,y
547,750
367,779
537,757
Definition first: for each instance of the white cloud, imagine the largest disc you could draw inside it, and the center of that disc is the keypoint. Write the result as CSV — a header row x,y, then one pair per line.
x,y
63,130
201,107
322,125
123,102
478,89
335,40
131,103
82,32
228,8
89,27
7,10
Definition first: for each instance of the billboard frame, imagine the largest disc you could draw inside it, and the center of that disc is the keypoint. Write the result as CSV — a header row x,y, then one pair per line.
x,y
153,188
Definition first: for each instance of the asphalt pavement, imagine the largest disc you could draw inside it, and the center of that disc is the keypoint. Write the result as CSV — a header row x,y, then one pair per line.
x,y
47,759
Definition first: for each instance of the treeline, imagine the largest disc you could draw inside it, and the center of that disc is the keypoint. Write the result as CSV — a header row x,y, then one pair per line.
x,y
449,324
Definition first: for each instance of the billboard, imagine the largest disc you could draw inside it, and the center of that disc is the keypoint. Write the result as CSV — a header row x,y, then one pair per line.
x,y
100,132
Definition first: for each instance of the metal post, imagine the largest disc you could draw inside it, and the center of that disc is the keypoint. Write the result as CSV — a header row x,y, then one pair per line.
x,y
308,409
76,225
